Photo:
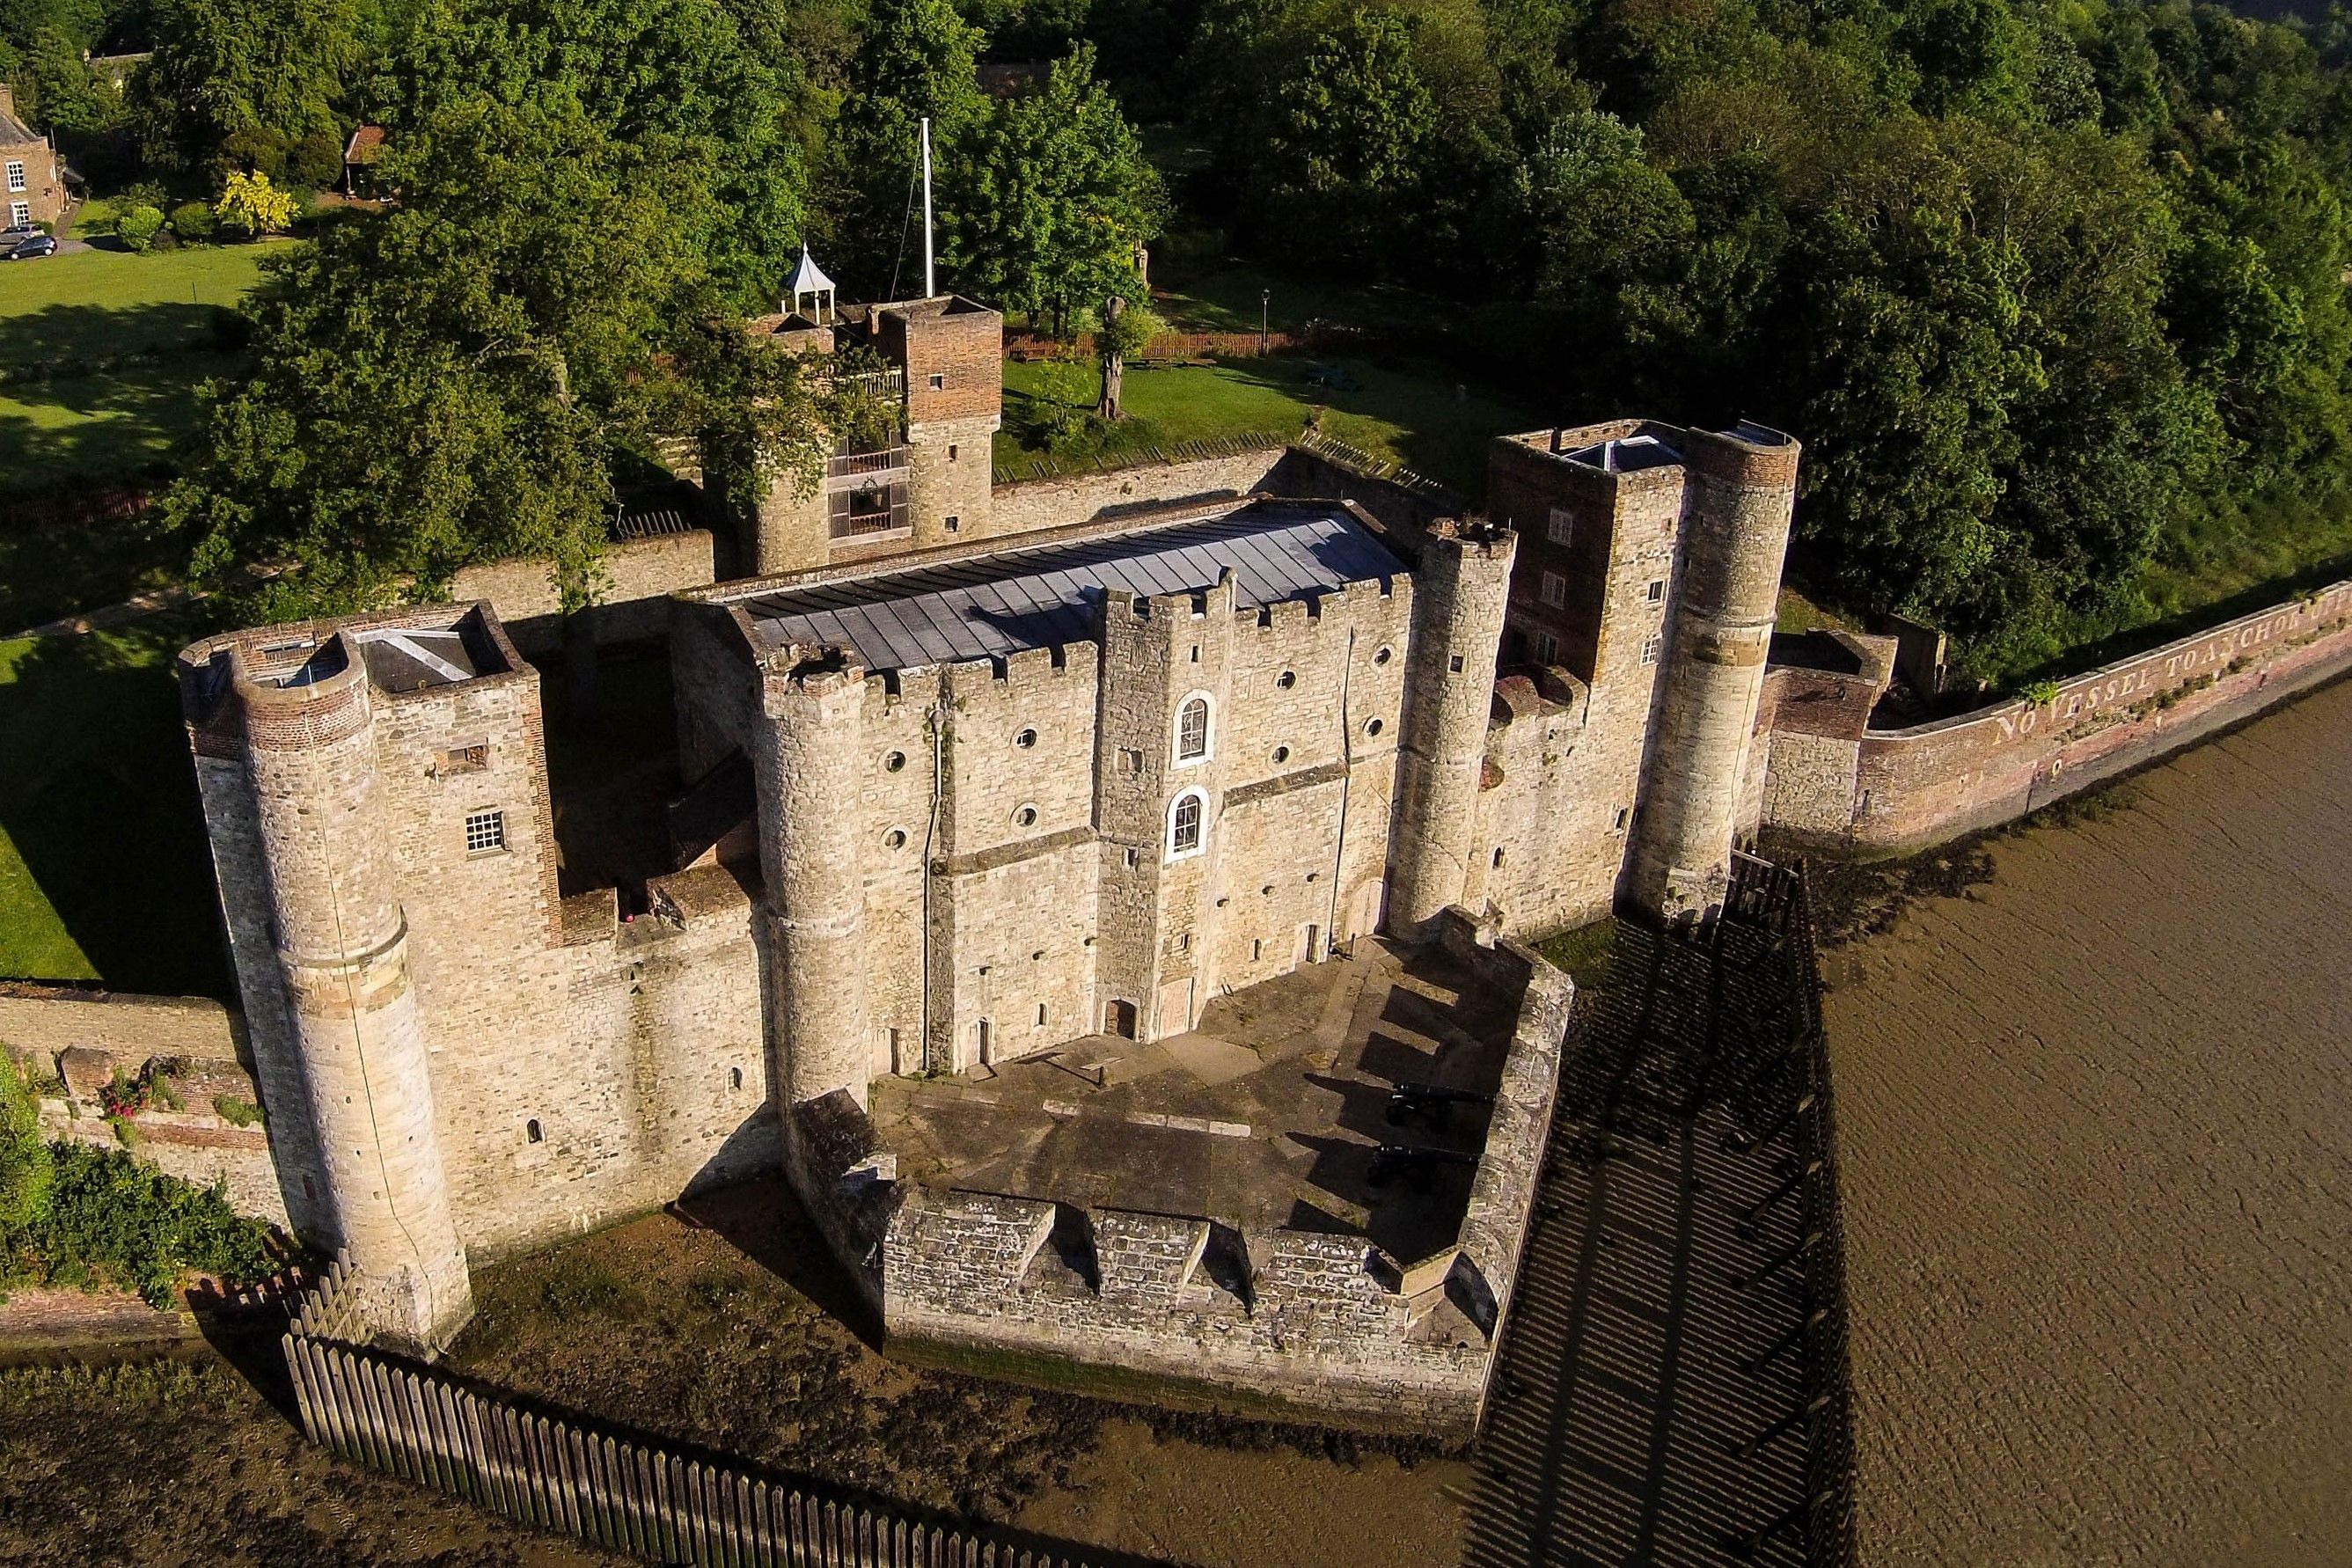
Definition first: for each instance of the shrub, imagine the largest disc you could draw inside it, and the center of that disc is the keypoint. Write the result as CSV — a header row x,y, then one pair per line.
x,y
2039,693
110,1219
137,227
251,205
25,1165
317,160
193,222
236,1112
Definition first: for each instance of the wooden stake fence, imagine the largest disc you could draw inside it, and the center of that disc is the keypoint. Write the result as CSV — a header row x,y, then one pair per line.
x,y
407,1420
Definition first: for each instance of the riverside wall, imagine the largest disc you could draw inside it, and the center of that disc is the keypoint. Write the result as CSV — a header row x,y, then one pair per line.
x,y
1908,788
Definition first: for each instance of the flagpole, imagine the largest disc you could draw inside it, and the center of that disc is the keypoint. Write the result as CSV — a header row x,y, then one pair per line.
x,y
929,286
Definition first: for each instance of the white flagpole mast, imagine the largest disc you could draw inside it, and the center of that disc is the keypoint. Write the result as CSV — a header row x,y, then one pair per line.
x,y
929,286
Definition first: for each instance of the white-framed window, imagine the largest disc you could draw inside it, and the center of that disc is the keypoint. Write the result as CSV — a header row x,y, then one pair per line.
x,y
1563,527
1192,729
1555,589
15,174
1649,645
1547,648
939,380
1657,591
1187,824
486,832
20,213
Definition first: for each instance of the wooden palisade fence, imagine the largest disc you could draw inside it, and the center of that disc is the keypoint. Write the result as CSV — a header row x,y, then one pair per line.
x,y
405,1419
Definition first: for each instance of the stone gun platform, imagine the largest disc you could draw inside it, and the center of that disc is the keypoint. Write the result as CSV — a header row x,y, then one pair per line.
x,y
1269,1114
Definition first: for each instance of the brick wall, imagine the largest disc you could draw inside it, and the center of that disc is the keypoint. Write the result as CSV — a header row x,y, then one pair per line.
x,y
1915,786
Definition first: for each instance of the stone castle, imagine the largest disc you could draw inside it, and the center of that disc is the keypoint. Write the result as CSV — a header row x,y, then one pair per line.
x,y
966,781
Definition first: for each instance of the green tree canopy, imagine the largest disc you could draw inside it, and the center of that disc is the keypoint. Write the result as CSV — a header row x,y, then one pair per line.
x,y
1053,195
916,61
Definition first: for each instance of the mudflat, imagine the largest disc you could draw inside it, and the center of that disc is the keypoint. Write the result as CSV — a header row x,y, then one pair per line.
x,y
2095,1126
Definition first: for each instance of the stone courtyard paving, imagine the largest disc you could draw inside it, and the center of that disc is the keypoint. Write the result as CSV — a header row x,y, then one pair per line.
x,y
2095,1128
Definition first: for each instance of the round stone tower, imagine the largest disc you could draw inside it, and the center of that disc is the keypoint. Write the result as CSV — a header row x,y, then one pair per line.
x,y
811,769
1460,587
1735,532
341,944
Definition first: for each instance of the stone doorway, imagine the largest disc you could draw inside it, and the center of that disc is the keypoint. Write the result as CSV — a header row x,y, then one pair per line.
x,y
1119,1018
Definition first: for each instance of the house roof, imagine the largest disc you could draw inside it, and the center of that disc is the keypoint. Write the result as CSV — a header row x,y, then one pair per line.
x,y
366,144
995,604
15,132
808,277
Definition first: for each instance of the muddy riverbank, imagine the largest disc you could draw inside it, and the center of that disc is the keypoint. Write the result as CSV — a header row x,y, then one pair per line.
x,y
2097,1133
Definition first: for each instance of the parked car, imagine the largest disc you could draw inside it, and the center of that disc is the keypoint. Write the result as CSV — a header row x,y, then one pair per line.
x,y
31,249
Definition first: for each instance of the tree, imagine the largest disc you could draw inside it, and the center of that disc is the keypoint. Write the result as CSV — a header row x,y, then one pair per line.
x,y
250,202
916,60
239,80
1053,197
1125,330
453,380
1346,145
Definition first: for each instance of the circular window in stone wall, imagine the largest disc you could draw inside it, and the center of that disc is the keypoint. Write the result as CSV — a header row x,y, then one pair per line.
x,y
1282,754
1026,739
1382,657
894,762
1286,680
1025,816
1373,726
894,839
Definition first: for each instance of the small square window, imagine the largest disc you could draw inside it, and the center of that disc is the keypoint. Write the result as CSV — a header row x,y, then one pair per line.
x,y
1658,591
953,522
939,380
1453,664
1649,645
470,759
1555,589
486,832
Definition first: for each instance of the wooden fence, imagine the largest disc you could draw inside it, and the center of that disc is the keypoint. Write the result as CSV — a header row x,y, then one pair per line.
x,y
1165,347
405,1419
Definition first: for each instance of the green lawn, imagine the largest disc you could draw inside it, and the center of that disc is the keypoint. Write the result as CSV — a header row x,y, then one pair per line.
x,y
104,873
1407,412
67,316
96,303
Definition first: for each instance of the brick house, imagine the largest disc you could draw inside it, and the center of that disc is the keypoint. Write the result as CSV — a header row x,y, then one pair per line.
x,y
32,178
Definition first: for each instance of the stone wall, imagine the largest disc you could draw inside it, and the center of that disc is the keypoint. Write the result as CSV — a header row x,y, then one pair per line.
x,y
644,573
1028,505
1915,786
1307,1321
73,1044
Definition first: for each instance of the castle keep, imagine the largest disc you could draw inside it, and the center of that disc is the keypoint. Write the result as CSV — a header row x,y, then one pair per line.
x,y
964,785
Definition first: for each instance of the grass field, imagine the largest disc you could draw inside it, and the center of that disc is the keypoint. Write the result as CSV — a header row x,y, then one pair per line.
x,y
1409,412
76,320
104,874
104,302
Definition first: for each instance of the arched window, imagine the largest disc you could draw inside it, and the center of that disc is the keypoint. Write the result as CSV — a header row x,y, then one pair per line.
x,y
1185,824
1192,729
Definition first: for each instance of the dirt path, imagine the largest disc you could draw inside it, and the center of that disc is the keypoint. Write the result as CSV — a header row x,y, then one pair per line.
x,y
2096,1132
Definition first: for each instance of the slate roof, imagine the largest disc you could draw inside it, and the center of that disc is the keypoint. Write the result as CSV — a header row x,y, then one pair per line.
x,y
15,132
1000,603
